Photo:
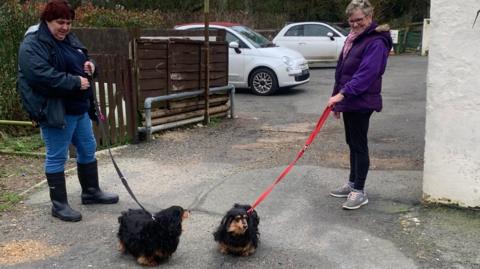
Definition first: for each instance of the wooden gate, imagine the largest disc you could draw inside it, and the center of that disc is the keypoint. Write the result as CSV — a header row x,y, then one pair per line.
x,y
114,92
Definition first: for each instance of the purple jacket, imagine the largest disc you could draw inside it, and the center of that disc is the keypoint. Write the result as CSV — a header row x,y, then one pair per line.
x,y
359,75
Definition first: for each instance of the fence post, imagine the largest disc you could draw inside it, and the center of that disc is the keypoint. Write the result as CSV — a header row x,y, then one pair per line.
x,y
131,103
207,63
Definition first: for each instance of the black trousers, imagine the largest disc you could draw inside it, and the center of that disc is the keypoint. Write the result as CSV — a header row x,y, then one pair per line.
x,y
356,130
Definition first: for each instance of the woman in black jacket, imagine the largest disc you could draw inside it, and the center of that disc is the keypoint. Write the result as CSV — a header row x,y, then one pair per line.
x,y
56,93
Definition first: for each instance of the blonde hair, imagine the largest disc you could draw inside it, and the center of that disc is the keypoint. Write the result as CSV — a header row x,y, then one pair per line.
x,y
363,5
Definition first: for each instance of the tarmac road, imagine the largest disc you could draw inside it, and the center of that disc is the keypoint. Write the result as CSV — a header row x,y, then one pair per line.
x,y
207,169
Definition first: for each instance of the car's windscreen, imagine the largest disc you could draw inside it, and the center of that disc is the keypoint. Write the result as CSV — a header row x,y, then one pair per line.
x,y
257,40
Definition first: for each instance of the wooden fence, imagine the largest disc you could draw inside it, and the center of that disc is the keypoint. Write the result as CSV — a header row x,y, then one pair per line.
x,y
169,66
158,67
176,65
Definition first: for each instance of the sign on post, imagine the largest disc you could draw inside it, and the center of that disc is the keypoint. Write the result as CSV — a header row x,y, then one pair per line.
x,y
394,35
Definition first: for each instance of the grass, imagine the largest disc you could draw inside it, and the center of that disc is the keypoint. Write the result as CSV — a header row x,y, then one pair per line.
x,y
214,121
3,172
17,174
30,143
8,200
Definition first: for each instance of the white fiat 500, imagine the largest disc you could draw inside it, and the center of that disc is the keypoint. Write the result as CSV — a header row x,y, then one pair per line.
x,y
318,42
255,62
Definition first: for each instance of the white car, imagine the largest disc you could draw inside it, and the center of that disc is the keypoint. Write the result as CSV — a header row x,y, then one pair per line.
x,y
318,42
255,62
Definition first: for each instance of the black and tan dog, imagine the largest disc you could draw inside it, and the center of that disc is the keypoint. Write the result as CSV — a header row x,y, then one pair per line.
x,y
238,232
151,241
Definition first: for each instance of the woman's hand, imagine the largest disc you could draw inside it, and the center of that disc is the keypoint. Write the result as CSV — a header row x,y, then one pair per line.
x,y
89,68
335,99
84,83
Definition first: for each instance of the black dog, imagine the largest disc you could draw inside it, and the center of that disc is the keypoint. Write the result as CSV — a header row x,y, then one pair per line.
x,y
151,241
238,232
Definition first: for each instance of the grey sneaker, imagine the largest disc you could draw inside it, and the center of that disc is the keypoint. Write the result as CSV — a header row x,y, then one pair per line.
x,y
355,200
342,191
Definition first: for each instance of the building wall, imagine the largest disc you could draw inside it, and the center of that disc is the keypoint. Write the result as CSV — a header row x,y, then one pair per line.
x,y
452,140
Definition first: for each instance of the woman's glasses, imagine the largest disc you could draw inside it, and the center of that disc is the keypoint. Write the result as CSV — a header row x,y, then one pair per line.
x,y
352,21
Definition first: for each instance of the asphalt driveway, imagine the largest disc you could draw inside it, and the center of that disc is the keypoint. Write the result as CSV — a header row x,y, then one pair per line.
x,y
207,169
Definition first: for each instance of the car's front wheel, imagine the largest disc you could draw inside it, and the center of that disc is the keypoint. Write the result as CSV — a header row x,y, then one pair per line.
x,y
263,81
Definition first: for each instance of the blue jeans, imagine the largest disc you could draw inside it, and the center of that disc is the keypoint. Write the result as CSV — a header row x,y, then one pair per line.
x,y
78,131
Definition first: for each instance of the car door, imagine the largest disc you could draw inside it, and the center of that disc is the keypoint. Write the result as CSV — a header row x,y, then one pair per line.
x,y
316,43
292,38
312,41
236,60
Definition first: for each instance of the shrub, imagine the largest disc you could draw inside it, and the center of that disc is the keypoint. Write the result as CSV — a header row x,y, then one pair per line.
x,y
90,16
14,21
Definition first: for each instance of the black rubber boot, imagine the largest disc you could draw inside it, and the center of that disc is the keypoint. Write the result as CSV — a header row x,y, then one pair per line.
x,y
91,192
58,194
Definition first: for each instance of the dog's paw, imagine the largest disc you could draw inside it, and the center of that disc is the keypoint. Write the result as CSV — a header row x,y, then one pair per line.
x,y
121,247
249,250
222,248
147,261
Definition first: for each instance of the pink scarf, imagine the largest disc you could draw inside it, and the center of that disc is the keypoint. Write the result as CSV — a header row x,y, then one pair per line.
x,y
349,42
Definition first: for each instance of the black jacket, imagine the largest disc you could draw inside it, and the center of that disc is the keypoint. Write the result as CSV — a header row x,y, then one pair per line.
x,y
42,80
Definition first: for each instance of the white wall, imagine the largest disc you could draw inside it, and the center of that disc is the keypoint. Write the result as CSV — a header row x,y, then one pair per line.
x,y
452,141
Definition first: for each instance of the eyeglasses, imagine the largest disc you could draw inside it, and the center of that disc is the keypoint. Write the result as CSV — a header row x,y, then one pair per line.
x,y
356,20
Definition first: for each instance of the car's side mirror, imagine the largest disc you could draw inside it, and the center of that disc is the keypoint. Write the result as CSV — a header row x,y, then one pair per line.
x,y
330,34
234,45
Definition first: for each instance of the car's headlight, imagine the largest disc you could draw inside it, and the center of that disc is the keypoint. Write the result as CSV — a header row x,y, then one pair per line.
x,y
287,61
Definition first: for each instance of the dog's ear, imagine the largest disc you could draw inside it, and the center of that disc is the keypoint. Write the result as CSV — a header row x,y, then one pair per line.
x,y
174,223
221,231
225,220
229,220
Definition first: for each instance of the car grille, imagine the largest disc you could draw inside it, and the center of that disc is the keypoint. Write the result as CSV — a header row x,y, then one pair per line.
x,y
303,76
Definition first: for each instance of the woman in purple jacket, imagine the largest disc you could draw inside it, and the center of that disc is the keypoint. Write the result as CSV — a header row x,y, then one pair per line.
x,y
357,93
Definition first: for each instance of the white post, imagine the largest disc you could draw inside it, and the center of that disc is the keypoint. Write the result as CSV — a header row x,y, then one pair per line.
x,y
452,140
425,36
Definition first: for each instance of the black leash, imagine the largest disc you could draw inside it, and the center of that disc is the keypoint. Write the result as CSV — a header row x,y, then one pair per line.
x,y
101,123
478,12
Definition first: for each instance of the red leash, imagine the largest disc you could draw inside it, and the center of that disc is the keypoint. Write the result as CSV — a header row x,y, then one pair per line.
x,y
320,123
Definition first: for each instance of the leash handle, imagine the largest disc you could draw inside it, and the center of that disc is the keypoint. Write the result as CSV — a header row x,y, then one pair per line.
x,y
101,122
282,175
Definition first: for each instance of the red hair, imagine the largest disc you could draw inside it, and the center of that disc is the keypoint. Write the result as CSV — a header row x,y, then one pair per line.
x,y
57,9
